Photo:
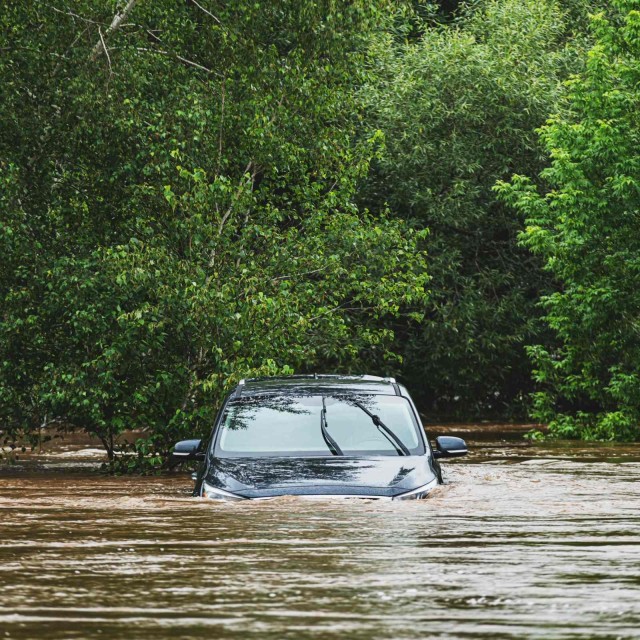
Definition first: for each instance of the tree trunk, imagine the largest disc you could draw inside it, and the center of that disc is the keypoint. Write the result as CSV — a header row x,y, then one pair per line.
x,y
115,23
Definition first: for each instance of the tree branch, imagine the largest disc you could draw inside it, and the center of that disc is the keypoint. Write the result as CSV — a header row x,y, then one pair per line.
x,y
299,275
75,15
220,132
190,63
236,197
206,11
106,51
115,24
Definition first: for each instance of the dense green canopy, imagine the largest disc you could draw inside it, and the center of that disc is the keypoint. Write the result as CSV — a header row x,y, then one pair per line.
x,y
585,226
459,109
199,191
179,209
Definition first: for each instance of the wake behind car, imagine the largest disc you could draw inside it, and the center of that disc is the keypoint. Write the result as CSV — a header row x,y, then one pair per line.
x,y
320,436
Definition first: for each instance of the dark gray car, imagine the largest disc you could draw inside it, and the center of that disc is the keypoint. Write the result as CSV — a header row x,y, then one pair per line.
x,y
318,435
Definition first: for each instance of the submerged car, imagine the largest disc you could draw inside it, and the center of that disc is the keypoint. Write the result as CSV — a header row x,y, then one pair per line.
x,y
319,436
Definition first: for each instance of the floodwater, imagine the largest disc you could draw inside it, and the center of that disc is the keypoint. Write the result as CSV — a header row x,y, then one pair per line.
x,y
524,541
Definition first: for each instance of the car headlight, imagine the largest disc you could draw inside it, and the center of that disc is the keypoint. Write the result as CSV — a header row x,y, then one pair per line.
x,y
213,493
420,492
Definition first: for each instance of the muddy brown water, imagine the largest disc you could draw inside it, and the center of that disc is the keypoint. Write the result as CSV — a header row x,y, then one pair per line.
x,y
524,541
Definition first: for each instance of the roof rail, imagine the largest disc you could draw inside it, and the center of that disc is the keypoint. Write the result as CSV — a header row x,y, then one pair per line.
x,y
317,376
238,391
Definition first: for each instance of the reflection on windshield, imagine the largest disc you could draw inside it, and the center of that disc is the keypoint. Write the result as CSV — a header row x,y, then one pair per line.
x,y
292,425
242,413
388,433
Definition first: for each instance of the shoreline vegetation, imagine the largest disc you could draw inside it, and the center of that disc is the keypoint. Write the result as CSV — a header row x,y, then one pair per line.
x,y
196,192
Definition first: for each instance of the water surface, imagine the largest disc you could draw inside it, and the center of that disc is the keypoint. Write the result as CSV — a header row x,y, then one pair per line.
x,y
524,541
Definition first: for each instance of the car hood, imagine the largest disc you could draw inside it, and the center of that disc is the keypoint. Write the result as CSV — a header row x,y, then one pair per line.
x,y
385,476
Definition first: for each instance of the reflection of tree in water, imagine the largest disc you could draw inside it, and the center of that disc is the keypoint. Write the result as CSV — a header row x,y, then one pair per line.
x,y
240,413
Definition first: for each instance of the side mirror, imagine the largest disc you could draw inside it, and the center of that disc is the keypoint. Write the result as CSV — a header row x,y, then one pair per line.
x,y
187,450
450,447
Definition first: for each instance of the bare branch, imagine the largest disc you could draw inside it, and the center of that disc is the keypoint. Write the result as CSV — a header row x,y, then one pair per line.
x,y
153,35
115,24
190,63
299,275
75,15
223,92
106,51
206,11
178,57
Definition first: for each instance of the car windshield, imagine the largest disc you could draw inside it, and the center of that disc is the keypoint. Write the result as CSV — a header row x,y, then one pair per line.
x,y
292,426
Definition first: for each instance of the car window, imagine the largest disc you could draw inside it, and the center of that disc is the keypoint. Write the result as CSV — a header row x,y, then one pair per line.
x,y
285,425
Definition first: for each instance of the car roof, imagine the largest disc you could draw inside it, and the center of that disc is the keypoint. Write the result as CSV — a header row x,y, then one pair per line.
x,y
315,384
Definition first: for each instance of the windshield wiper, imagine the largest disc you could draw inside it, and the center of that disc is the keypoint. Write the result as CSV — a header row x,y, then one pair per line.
x,y
391,437
331,443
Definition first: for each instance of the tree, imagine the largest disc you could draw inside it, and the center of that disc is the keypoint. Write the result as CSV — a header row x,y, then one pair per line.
x,y
584,225
458,110
180,210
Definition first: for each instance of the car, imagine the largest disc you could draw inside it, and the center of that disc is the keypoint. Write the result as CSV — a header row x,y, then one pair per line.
x,y
318,436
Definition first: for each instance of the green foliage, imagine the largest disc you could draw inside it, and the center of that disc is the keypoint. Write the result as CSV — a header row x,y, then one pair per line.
x,y
195,192
585,227
178,211
458,110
